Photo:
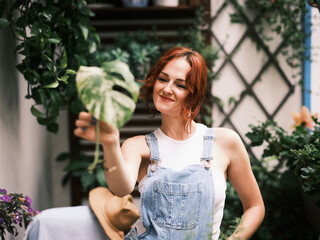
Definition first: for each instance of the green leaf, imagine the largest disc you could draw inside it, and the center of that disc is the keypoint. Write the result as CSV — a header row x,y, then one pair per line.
x,y
55,97
52,85
92,47
42,95
53,127
71,72
117,68
35,112
85,31
64,61
87,179
96,90
63,156
101,178
4,23
76,165
54,40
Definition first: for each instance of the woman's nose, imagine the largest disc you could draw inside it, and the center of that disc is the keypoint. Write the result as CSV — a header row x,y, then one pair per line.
x,y
168,88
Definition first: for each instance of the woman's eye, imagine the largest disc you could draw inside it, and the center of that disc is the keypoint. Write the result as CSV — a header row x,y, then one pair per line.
x,y
182,86
162,79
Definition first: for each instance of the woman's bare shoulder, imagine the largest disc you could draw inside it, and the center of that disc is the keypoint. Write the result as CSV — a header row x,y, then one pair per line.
x,y
139,140
136,143
226,135
227,138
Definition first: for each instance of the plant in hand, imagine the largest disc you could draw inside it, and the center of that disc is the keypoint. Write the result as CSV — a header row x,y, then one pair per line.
x,y
15,209
109,94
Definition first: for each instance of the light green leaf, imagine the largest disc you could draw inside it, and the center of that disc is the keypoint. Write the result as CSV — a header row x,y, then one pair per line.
x,y
54,40
92,47
95,86
85,31
64,61
116,68
52,85
71,72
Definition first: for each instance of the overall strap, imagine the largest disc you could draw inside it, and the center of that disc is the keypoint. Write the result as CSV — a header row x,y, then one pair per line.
x,y
208,139
152,142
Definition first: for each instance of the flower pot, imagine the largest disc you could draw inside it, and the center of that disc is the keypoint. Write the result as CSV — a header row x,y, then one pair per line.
x,y
135,3
166,3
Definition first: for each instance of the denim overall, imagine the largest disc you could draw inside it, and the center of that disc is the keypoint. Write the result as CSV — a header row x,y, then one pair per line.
x,y
177,204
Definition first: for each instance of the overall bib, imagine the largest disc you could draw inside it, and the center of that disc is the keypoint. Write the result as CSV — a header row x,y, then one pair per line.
x,y
177,204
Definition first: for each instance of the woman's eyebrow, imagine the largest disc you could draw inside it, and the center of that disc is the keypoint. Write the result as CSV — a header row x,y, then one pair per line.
x,y
178,79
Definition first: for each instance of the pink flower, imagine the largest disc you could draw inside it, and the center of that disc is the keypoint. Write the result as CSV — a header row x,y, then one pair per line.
x,y
303,118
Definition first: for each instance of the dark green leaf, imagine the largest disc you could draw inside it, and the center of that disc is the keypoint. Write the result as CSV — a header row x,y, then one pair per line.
x,y
76,165
63,156
87,179
4,23
35,112
101,178
43,96
53,127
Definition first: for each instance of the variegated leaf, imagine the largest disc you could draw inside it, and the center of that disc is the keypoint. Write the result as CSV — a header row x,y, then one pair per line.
x,y
96,90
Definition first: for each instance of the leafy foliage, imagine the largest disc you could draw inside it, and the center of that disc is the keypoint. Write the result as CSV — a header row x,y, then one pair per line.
x,y
54,39
289,161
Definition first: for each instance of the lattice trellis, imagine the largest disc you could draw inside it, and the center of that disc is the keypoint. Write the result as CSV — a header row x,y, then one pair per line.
x,y
250,85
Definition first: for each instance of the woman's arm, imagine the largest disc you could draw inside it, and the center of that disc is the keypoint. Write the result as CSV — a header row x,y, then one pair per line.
x,y
242,179
122,164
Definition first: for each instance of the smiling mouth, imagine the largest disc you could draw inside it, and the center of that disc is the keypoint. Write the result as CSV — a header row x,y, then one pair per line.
x,y
166,98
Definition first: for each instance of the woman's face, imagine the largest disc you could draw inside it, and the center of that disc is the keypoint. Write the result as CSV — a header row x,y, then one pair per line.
x,y
169,91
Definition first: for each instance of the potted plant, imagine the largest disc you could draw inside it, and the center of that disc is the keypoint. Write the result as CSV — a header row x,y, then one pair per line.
x,y
15,209
297,154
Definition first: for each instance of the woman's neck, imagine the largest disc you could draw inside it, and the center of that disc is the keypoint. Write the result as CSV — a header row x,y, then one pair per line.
x,y
177,129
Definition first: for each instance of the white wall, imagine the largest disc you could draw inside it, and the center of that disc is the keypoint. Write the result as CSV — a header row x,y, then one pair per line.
x,y
27,150
315,65
270,89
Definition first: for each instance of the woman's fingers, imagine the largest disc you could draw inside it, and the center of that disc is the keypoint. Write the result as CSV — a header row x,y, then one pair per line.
x,y
87,133
86,128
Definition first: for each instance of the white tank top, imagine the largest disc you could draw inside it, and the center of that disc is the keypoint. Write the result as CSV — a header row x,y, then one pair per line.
x,y
179,154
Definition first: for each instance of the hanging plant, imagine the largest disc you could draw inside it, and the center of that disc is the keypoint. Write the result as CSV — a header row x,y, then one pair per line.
x,y
54,38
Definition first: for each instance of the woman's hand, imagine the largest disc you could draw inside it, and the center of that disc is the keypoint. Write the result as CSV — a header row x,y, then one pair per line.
x,y
86,129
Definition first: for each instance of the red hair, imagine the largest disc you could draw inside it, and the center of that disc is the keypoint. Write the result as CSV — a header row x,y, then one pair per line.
x,y
196,80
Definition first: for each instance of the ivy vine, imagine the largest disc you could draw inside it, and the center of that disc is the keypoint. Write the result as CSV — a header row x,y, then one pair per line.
x,y
281,17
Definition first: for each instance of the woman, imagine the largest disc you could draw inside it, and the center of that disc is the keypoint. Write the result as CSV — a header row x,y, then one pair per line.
x,y
182,167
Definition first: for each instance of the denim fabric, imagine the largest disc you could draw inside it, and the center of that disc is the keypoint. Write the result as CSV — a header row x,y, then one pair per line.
x,y
177,204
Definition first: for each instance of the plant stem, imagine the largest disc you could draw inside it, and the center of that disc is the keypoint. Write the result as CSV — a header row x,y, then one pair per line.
x,y
96,161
